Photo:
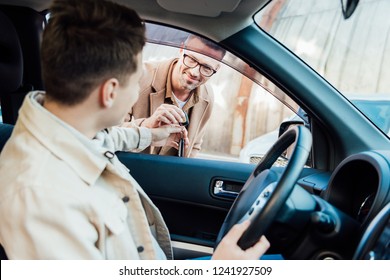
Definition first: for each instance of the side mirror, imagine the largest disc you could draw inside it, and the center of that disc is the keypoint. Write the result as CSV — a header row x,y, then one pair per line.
x,y
284,126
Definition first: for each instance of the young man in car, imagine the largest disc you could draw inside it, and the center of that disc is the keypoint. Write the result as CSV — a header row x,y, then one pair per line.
x,y
63,192
175,85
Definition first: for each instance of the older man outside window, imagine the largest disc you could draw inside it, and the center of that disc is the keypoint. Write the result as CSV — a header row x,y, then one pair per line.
x,y
172,86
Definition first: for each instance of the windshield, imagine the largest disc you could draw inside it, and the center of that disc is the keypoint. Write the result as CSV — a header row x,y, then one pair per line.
x,y
352,54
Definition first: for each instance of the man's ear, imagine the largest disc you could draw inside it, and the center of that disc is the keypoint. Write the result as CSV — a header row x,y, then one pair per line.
x,y
108,92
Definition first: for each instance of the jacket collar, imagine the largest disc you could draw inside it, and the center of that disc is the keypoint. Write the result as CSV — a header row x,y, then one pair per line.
x,y
65,142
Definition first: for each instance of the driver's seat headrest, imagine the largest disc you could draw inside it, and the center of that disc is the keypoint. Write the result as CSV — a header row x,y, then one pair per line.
x,y
11,58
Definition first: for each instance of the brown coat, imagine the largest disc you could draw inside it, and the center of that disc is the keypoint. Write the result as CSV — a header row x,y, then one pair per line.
x,y
153,93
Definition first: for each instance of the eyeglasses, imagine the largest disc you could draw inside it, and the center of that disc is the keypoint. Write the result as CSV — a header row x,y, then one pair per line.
x,y
191,62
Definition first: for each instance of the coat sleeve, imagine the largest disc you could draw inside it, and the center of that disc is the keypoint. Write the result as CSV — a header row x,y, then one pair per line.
x,y
134,139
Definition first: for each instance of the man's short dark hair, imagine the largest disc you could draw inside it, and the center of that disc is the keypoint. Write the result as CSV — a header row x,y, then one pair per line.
x,y
87,42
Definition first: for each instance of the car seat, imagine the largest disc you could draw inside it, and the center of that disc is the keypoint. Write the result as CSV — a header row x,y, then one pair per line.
x,y
11,63
20,67
5,133
11,74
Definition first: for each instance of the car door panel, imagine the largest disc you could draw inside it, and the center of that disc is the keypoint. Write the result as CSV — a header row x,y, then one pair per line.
x,y
182,189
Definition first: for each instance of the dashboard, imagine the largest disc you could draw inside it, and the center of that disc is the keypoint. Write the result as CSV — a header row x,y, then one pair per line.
x,y
359,186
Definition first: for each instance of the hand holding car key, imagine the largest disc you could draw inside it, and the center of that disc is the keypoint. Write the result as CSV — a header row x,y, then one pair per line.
x,y
181,141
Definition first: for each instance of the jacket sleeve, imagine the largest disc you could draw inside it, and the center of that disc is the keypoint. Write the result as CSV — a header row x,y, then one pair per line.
x,y
134,139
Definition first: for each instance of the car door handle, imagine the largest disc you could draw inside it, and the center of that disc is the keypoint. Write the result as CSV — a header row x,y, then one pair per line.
x,y
222,188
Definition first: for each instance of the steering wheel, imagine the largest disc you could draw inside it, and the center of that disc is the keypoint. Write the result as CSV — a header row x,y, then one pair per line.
x,y
374,244
265,192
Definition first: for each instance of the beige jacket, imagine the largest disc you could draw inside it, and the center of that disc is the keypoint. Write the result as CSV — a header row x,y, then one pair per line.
x,y
156,90
64,196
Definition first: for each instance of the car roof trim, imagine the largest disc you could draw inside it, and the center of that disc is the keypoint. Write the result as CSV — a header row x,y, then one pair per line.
x,y
232,19
206,8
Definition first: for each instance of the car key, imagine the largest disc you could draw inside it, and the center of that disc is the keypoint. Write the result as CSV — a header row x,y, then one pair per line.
x,y
181,141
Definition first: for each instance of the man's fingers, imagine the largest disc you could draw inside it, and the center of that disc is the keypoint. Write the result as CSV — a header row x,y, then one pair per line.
x,y
171,112
174,129
260,247
174,144
167,117
175,109
237,230
179,115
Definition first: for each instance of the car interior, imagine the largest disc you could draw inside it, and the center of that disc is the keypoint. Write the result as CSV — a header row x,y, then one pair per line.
x,y
337,207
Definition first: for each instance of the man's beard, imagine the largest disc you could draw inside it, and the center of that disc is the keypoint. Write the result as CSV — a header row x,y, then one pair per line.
x,y
187,85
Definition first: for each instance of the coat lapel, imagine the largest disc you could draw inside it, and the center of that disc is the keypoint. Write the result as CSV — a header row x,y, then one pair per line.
x,y
159,84
197,114
156,99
